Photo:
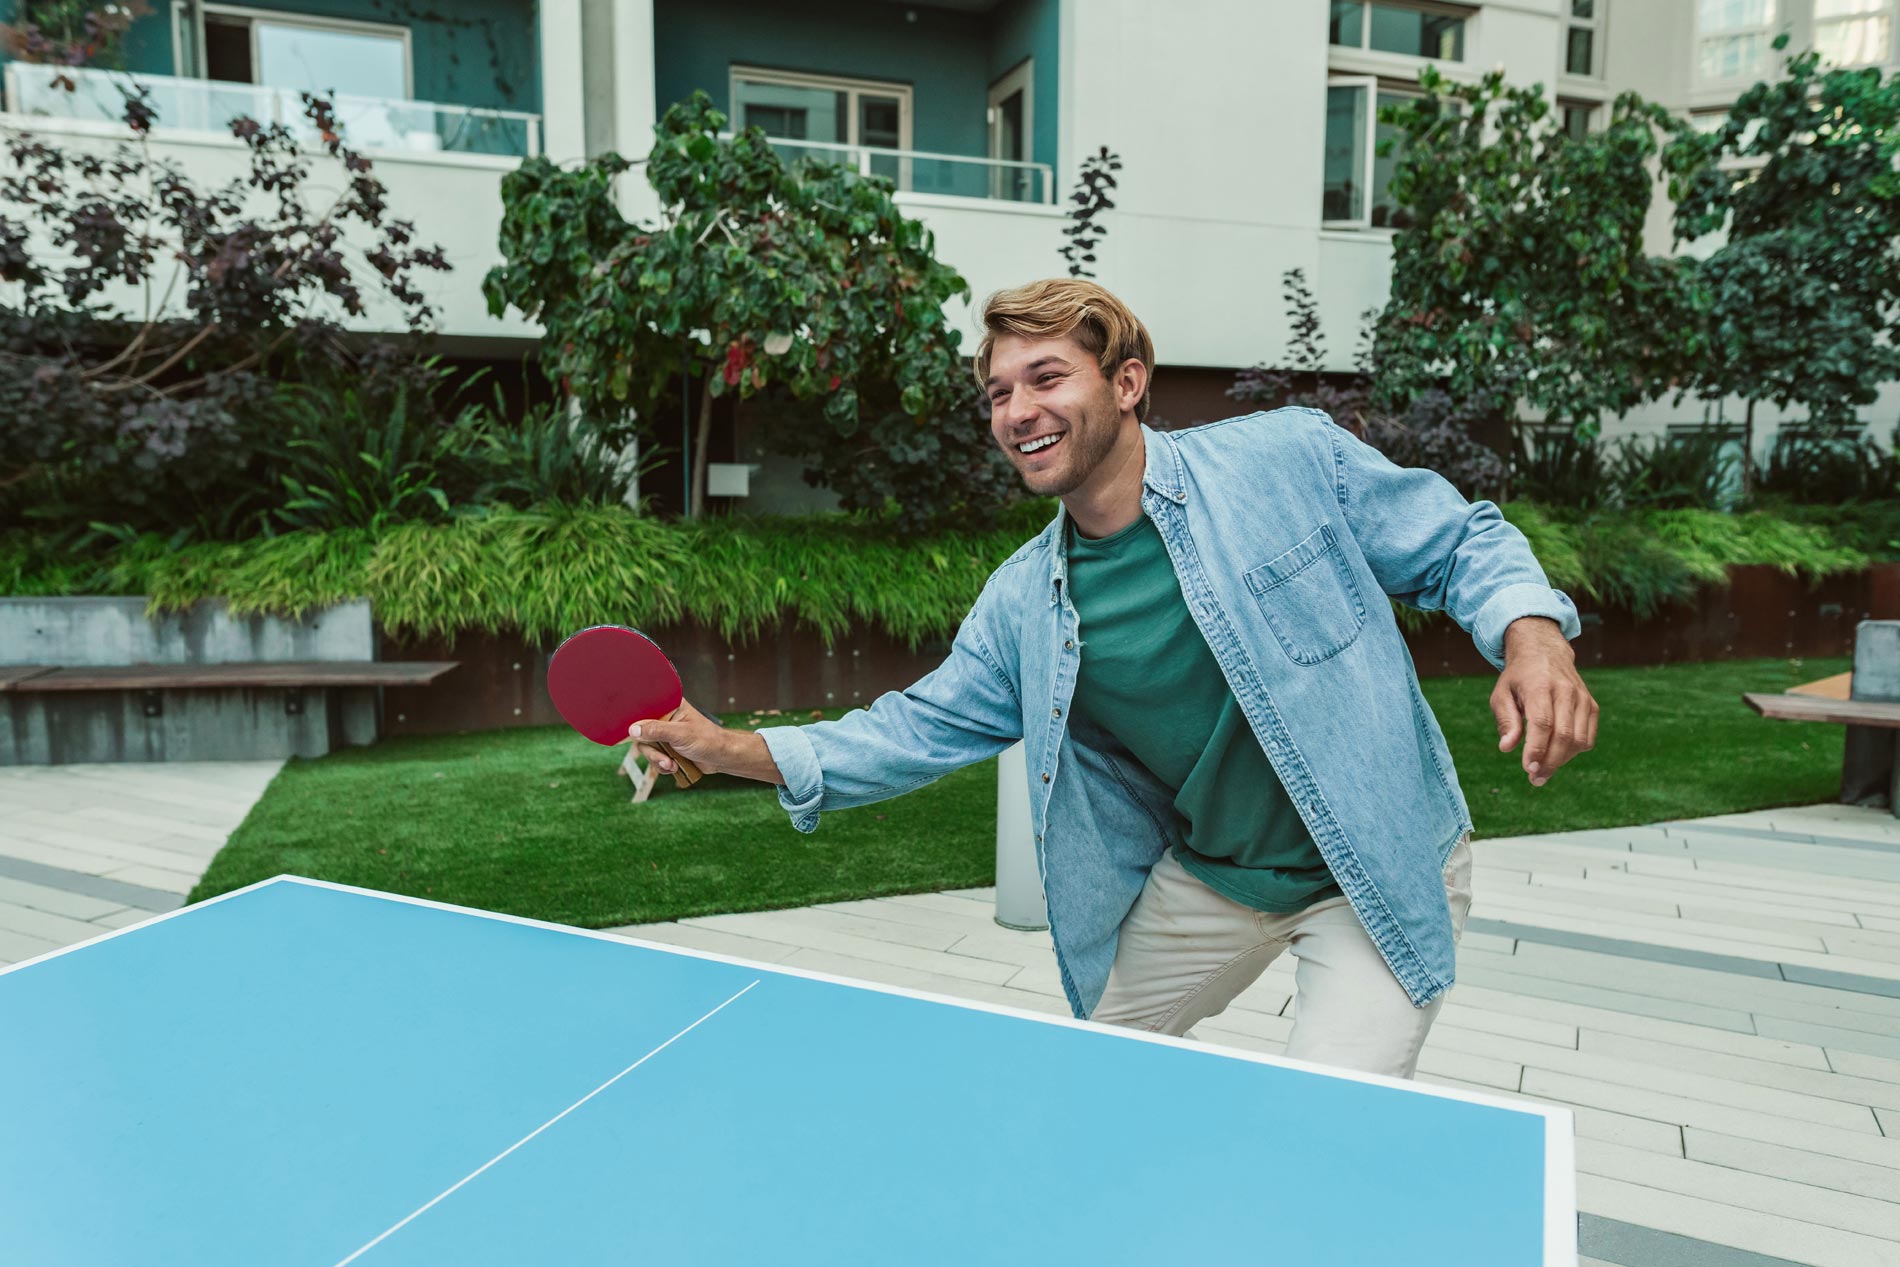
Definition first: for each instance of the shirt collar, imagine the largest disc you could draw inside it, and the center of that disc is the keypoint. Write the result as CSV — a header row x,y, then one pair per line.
x,y
1162,473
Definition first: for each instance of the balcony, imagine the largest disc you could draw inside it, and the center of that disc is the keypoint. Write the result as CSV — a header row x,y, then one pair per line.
x,y
371,124
920,172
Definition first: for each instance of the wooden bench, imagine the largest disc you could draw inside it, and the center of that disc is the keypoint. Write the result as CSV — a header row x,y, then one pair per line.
x,y
1842,712
1867,702
202,712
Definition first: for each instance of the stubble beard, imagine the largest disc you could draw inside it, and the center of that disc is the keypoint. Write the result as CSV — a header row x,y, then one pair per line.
x,y
1092,440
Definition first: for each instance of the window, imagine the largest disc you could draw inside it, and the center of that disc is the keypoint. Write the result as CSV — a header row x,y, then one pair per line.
x,y
795,107
1580,38
299,54
1011,123
1578,120
1356,176
1410,30
1733,37
1853,32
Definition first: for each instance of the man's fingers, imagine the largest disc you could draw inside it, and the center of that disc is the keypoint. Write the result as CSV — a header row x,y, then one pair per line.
x,y
653,756
649,738
1565,741
1539,722
1510,720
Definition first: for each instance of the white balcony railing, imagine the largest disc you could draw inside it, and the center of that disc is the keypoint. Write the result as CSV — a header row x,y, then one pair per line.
x,y
922,172
208,105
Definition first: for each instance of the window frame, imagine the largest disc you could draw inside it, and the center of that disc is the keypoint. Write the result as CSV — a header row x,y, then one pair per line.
x,y
1363,222
852,87
199,13
1377,85
1593,24
1590,110
1886,56
1779,21
1019,78
1364,47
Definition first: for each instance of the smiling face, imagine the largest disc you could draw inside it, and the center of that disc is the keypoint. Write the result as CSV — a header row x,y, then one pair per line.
x,y
1055,415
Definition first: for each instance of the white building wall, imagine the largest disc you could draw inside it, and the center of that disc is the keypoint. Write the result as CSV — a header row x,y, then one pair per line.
x,y
1216,107
454,200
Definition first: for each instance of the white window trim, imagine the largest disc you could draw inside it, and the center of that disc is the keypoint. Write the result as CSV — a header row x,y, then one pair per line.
x,y
1886,57
837,83
1019,78
1363,221
1782,21
1364,47
1593,105
1598,43
387,30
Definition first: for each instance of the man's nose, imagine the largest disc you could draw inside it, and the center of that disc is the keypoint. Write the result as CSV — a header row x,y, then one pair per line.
x,y
1018,412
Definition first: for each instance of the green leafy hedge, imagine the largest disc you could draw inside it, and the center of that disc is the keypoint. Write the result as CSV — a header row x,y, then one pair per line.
x,y
548,571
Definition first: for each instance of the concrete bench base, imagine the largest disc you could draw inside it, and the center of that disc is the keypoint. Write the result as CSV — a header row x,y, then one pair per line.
x,y
194,724
98,679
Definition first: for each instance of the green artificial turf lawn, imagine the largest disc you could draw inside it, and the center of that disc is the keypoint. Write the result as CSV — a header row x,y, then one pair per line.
x,y
536,822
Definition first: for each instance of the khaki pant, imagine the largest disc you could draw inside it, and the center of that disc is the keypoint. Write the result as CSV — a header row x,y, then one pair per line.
x,y
1186,951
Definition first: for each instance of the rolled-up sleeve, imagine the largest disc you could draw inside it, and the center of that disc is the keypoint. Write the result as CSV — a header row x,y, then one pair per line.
x,y
1431,549
961,712
804,782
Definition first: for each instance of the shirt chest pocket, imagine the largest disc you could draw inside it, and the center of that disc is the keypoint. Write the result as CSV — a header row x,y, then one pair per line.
x,y
1310,599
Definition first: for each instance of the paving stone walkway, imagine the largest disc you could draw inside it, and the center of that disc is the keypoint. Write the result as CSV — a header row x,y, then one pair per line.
x,y
86,848
1718,1000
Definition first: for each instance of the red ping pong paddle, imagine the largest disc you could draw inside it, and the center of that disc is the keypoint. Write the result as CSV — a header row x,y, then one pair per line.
x,y
604,679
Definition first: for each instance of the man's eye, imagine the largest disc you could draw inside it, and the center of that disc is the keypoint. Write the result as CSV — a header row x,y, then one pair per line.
x,y
1046,379
999,398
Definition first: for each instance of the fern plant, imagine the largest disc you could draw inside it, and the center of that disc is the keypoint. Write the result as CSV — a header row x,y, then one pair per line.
x,y
351,461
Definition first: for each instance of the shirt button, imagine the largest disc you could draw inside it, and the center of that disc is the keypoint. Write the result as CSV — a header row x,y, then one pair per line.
x,y
1055,712
1045,776
1068,644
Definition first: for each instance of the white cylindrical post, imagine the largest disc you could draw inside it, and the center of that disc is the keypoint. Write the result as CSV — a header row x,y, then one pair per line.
x,y
1019,900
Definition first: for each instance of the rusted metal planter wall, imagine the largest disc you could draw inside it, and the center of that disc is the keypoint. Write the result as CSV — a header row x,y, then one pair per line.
x,y
503,679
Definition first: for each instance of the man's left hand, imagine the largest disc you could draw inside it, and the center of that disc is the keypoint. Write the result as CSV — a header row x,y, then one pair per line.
x,y
1540,699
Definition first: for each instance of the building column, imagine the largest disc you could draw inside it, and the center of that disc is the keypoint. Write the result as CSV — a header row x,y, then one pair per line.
x,y
563,97
634,108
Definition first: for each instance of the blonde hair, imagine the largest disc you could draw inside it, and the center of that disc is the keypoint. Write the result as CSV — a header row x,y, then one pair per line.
x,y
1069,307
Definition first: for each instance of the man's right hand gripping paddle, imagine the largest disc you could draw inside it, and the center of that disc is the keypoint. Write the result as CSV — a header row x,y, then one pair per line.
x,y
607,679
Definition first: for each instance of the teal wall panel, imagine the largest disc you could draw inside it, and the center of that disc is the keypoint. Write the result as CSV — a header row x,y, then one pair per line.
x,y
948,58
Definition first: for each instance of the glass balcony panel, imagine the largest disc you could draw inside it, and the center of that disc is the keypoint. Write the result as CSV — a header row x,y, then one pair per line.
x,y
205,105
347,63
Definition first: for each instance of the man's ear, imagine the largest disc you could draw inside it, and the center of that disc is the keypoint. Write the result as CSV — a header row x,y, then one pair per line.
x,y
1131,383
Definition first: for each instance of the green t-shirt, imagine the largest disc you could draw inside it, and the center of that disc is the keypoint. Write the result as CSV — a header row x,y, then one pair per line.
x,y
1149,680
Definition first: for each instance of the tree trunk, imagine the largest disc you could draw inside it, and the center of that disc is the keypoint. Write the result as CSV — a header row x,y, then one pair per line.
x,y
701,439
1748,452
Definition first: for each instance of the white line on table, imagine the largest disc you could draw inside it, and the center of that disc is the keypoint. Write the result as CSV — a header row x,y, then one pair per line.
x,y
423,1209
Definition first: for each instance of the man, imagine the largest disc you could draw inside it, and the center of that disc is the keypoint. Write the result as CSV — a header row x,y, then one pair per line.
x,y
1228,752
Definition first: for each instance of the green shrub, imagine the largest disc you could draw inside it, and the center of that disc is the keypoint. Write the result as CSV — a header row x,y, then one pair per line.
x,y
1827,469
545,457
1556,467
556,568
355,459
1644,561
1678,471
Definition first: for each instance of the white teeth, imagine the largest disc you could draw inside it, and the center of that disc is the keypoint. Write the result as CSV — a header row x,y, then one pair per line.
x,y
1035,445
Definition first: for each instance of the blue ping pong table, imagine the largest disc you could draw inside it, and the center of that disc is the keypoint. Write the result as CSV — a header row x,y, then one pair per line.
x,y
302,1073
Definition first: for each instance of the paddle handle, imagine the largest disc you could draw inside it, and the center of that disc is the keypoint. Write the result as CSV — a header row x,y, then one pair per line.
x,y
685,773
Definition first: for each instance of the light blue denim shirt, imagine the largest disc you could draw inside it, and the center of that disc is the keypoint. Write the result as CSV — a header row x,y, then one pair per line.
x,y
1285,532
